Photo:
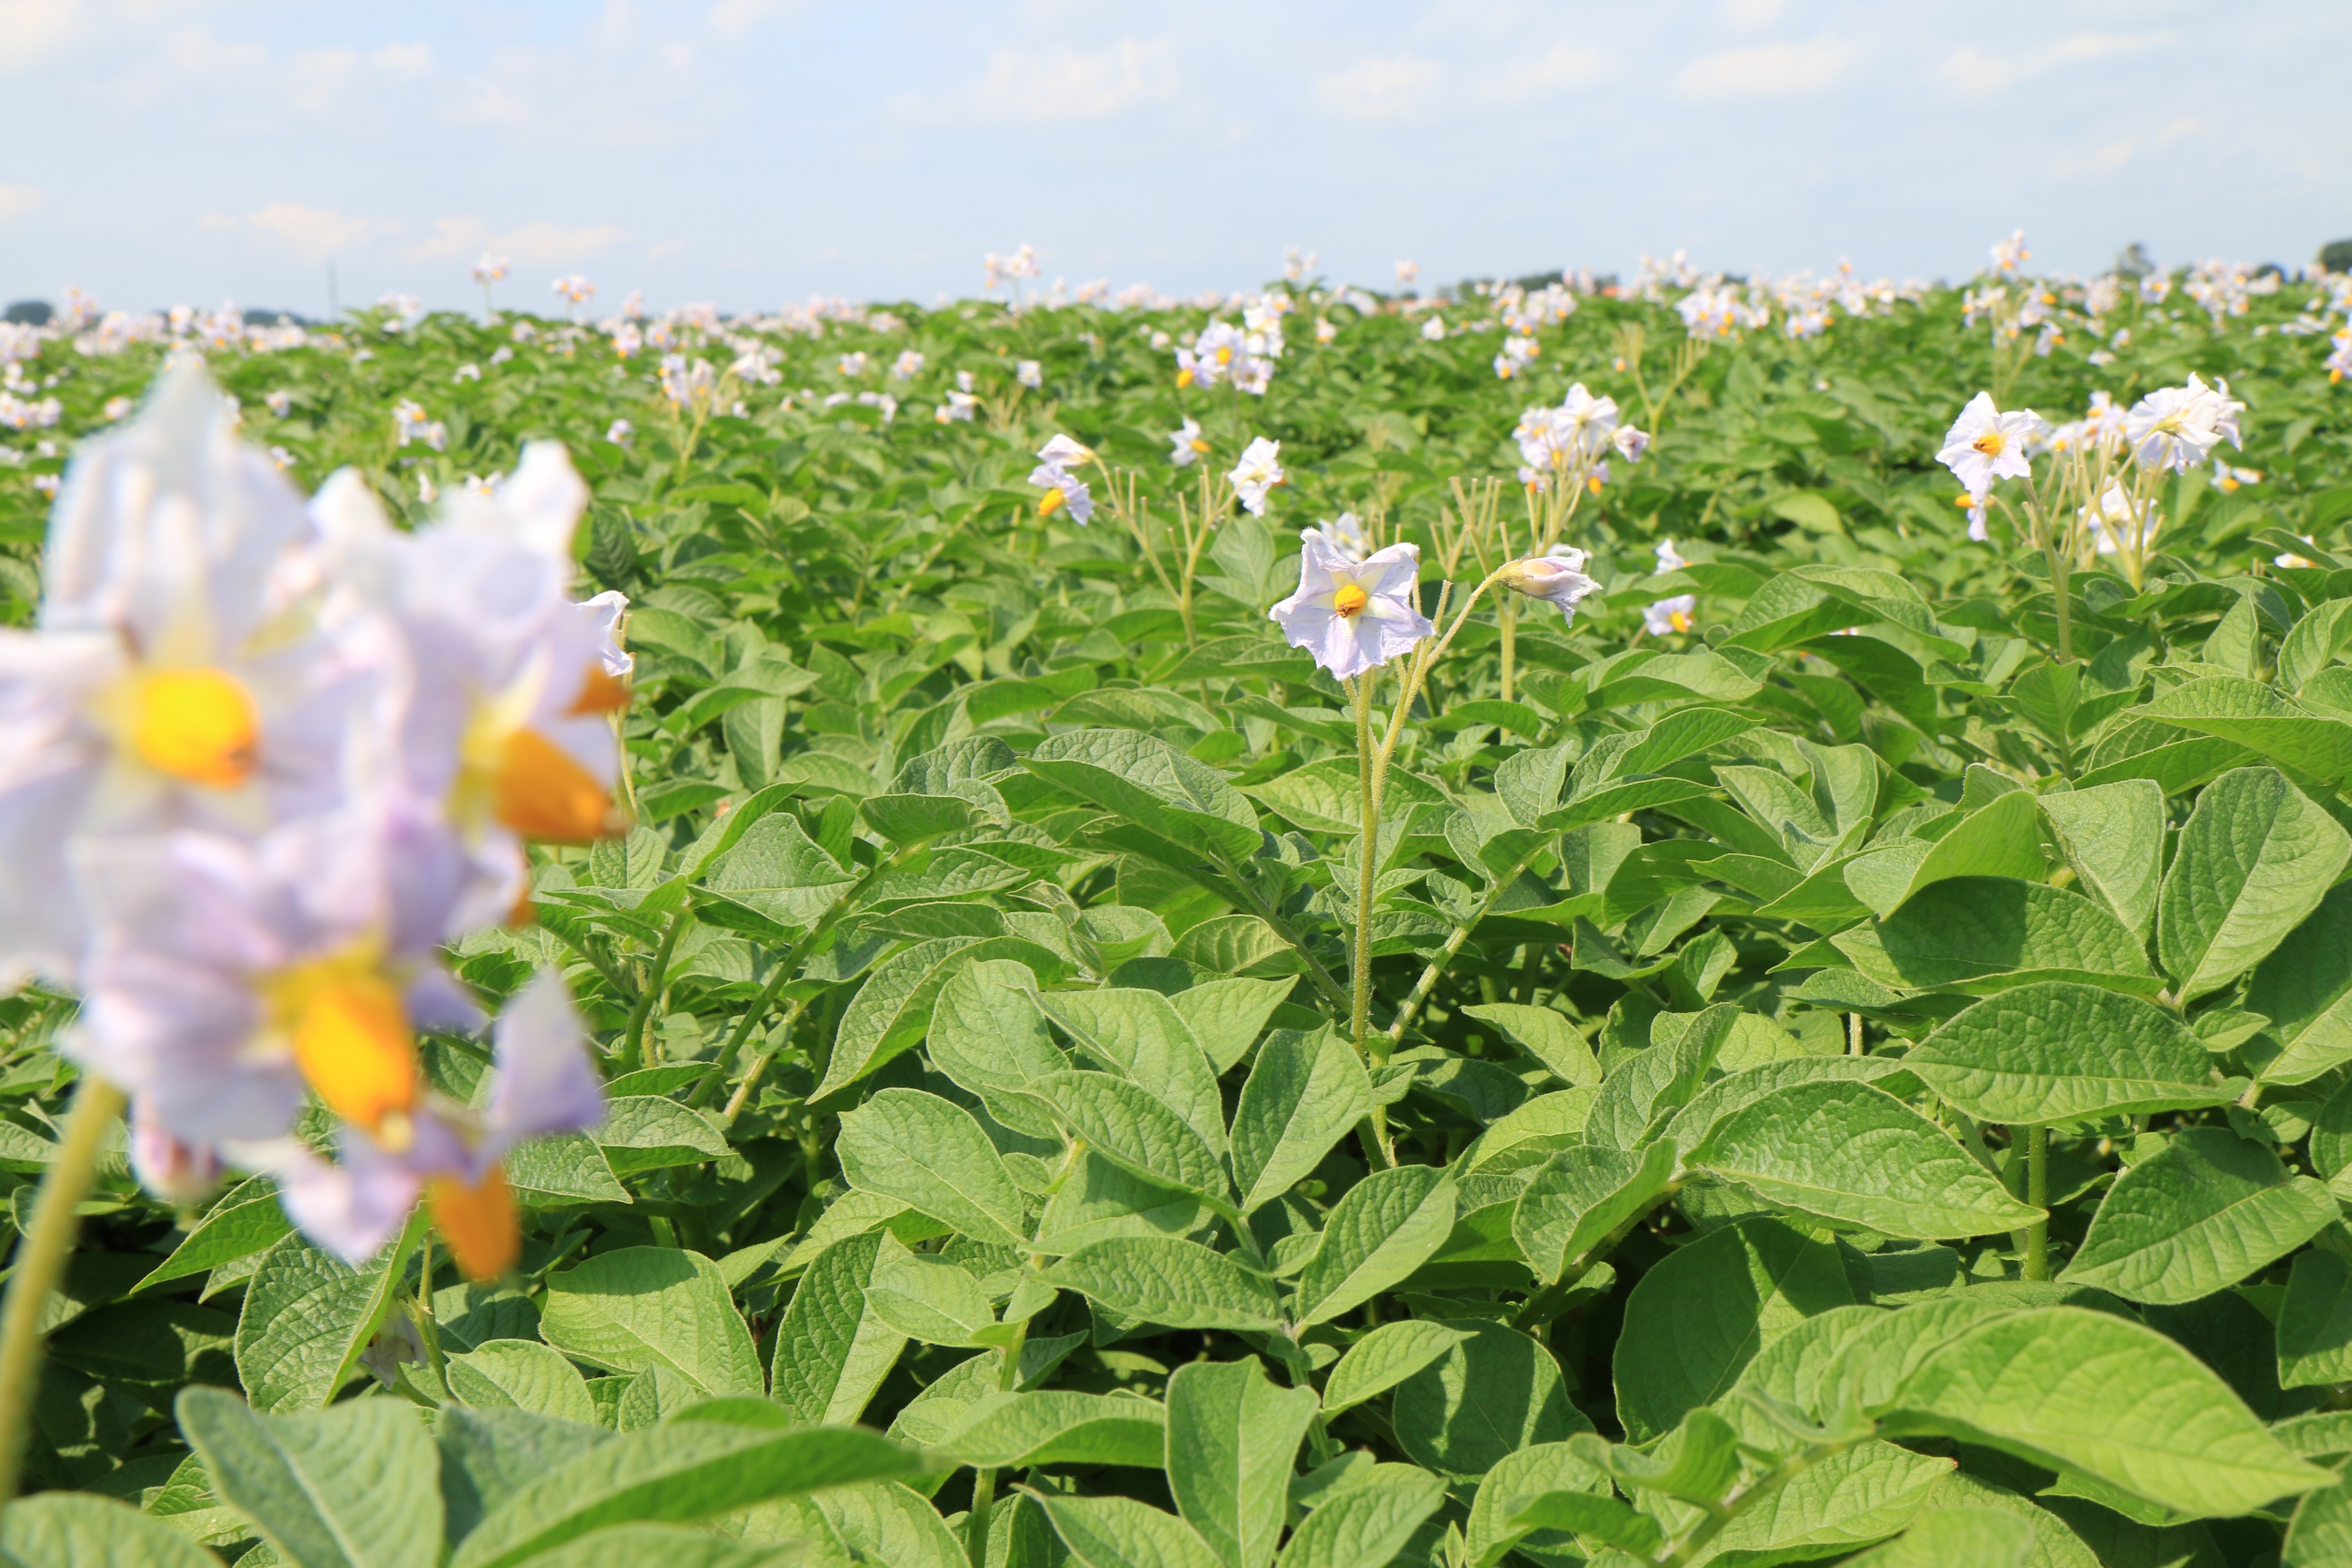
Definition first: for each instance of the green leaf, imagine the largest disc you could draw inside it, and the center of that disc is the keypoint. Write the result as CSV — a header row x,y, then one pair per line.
x,y
566,1169
1381,1230
1662,1079
671,1545
2256,857
2113,837
642,1307
1511,1486
833,1349
989,1039
2001,839
487,1456
677,1473
1386,1357
1060,1426
2306,743
1579,1196
773,881
355,1487
1603,1519
1176,1283
1227,1016
1852,1153
1982,934
2320,1533
1957,1538
931,1154
1121,1532
930,1299
891,1010
247,1219
1233,1441
2202,1212
1847,1501
2044,1385
876,1521
2305,989
2315,1322
1099,1200
1127,1125
2057,1051
522,1374
1496,1390
1698,1317
645,1133
74,1529
1545,1034
308,1316
1303,1093
1365,1527
1141,1035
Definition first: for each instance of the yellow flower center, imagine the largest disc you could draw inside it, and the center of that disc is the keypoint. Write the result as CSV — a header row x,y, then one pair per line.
x,y
1680,620
1049,502
479,1222
200,725
1183,378
351,1036
1199,445
543,793
1224,354
1349,600
600,692
1991,443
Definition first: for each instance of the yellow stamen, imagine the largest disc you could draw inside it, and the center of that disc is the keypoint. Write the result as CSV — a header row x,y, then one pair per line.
x,y
1199,445
1991,443
1680,620
1049,501
200,725
1183,378
600,692
479,1222
1224,354
543,793
1349,600
351,1036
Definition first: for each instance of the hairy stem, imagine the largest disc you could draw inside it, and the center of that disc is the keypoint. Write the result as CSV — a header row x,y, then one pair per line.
x,y
2037,1193
633,1044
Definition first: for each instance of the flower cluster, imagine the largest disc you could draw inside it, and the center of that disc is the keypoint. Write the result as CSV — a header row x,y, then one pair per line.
x,y
1574,440
259,763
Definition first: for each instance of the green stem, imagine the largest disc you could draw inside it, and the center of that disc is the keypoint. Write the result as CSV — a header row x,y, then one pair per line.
x,y
742,1095
984,1481
2050,554
1375,1130
633,1044
40,1261
1453,941
1689,1547
743,1028
2037,1193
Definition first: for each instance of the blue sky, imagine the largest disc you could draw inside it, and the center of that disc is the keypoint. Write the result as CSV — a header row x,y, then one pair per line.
x,y
754,152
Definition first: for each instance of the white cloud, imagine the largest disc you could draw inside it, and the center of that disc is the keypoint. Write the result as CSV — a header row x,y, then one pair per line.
x,y
1060,84
1751,13
1400,86
30,29
405,62
1767,70
15,201
2110,158
1972,70
310,234
533,244
735,18
1564,67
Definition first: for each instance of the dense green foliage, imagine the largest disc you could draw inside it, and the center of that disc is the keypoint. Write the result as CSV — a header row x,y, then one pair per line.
x,y
974,987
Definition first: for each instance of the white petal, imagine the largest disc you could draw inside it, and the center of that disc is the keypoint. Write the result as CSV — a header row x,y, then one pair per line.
x,y
546,1083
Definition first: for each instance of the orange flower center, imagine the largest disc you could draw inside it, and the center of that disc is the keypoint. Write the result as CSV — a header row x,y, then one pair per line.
x,y
351,1040
1991,443
479,1223
200,725
600,692
1349,600
1048,503
543,793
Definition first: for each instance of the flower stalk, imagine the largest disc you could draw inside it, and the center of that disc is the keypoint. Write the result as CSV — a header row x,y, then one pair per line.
x,y
40,1261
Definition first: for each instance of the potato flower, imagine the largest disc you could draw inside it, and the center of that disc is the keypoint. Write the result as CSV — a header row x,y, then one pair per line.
x,y
180,677
1063,489
1558,579
1669,615
2177,428
451,1156
1186,446
1353,615
1259,471
1985,445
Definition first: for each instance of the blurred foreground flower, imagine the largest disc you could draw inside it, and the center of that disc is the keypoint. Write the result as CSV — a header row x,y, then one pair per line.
x,y
1259,471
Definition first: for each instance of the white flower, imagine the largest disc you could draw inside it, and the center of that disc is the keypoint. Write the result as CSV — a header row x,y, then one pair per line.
x,y
1979,530
1030,374
1558,578
1186,448
2177,428
180,677
1062,452
1353,615
1259,471
1324,331
1346,534
281,401
620,432
1063,488
959,407
1669,558
1433,330
1669,615
1984,445
1407,274
1630,443
490,268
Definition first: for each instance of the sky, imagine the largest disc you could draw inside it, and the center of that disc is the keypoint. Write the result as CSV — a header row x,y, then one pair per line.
x,y
754,152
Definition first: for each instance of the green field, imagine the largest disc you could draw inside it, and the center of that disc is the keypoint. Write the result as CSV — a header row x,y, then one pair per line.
x,y
1840,1049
